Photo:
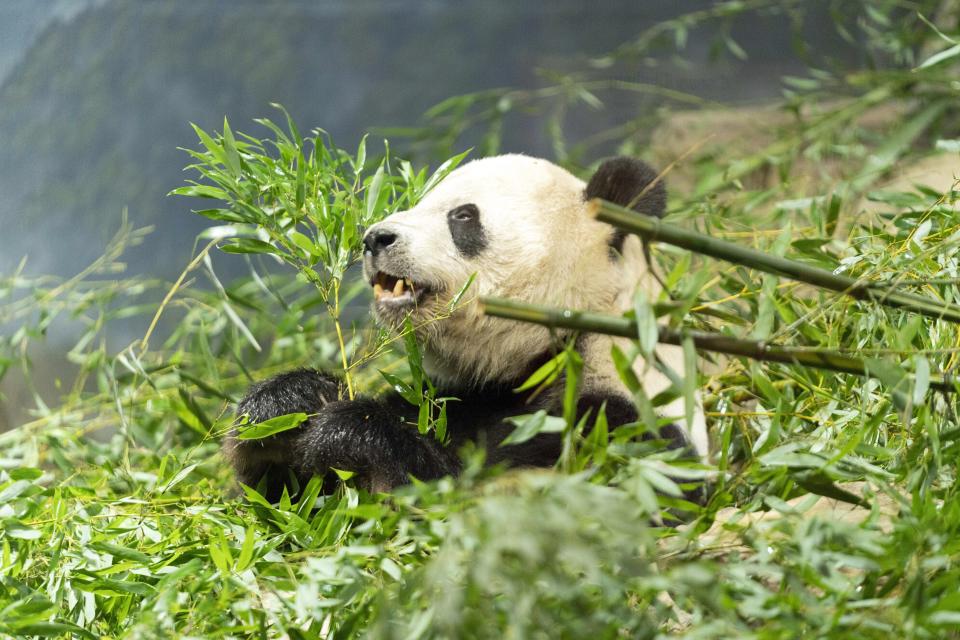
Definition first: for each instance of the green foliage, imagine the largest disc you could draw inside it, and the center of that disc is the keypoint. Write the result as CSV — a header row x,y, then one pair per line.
x,y
119,519
307,200
304,202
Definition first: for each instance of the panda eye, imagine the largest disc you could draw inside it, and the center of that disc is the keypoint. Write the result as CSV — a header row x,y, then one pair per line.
x,y
464,213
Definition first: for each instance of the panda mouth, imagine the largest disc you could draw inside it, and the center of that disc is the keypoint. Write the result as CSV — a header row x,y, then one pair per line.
x,y
396,290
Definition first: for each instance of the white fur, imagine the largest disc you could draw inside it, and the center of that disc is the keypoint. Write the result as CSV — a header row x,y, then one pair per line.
x,y
545,248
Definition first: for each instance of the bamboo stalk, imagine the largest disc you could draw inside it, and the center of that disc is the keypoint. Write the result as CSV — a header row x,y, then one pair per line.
x,y
715,342
652,228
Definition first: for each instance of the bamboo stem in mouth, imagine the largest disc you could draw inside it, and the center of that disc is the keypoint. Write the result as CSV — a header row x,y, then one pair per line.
x,y
704,341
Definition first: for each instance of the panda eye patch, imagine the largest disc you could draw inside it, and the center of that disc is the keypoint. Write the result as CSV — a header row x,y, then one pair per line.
x,y
466,231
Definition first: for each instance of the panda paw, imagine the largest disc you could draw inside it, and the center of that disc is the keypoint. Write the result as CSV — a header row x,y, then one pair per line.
x,y
368,438
300,391
362,436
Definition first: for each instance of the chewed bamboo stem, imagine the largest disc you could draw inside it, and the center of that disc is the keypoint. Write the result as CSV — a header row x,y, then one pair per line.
x,y
714,342
654,229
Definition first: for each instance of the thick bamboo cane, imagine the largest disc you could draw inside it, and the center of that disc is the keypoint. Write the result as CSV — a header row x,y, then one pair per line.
x,y
654,229
715,342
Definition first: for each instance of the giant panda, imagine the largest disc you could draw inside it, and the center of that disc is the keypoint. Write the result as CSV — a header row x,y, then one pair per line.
x,y
522,228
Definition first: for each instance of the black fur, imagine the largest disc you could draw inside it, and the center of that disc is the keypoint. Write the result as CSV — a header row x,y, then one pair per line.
x,y
269,458
466,230
622,181
377,439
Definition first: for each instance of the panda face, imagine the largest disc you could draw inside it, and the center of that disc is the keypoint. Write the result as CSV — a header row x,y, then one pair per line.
x,y
521,228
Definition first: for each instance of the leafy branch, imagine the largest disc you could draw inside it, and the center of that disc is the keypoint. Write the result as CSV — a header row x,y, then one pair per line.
x,y
828,359
654,229
302,201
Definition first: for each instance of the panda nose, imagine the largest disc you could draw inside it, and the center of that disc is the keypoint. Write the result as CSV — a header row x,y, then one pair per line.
x,y
378,239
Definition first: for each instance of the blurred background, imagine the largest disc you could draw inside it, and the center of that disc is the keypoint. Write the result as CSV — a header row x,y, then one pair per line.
x,y
96,96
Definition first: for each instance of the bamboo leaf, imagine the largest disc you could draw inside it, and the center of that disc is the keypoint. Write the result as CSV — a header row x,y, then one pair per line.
x,y
246,551
455,300
528,426
247,245
893,377
647,330
178,478
372,195
921,378
546,374
402,387
939,57
231,155
271,427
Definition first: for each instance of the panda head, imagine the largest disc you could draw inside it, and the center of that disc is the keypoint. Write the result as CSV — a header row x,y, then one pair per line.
x,y
522,228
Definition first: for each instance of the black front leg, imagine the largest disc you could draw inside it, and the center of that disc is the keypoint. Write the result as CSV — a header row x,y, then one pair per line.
x,y
370,438
300,391
365,436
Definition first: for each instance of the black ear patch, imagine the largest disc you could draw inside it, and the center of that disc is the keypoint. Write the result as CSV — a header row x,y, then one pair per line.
x,y
631,183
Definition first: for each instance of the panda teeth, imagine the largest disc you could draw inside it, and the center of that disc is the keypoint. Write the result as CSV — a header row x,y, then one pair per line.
x,y
387,288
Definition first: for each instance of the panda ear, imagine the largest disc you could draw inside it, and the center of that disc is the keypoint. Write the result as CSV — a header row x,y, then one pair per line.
x,y
630,183
622,181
